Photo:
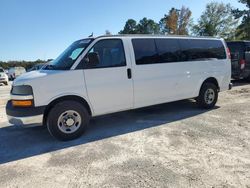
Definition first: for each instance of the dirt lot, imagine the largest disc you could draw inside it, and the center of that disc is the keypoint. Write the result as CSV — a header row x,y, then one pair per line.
x,y
170,145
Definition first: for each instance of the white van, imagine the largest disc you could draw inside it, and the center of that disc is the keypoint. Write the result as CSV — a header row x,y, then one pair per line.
x,y
14,72
97,76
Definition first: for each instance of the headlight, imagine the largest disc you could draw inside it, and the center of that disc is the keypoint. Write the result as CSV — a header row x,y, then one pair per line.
x,y
22,90
22,96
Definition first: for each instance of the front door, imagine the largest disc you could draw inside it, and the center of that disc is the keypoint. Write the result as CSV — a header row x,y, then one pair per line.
x,y
109,87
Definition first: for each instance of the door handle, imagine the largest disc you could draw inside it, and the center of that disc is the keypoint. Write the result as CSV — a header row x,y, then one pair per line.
x,y
129,73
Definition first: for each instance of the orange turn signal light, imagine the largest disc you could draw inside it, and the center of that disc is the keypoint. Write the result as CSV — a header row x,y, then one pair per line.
x,y
22,103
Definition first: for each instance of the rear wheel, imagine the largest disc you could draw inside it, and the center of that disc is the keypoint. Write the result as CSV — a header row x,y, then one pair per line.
x,y
208,96
67,120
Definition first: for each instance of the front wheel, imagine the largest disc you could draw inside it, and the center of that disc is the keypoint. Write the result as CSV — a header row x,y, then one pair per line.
x,y
208,96
67,120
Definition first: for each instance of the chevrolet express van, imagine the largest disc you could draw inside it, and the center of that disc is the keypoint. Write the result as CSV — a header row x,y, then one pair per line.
x,y
107,74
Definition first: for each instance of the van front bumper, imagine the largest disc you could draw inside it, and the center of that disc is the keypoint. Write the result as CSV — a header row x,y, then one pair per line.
x,y
26,117
30,121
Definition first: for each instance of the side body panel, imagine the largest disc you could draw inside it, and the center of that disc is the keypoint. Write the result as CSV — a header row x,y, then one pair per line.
x,y
166,82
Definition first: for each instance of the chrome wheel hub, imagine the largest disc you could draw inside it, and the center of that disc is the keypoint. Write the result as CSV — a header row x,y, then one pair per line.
x,y
69,121
209,96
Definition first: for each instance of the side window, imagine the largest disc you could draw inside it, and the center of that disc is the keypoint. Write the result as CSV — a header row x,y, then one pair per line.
x,y
110,52
198,50
168,50
145,51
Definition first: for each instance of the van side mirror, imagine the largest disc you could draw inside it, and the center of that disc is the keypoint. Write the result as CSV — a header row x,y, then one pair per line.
x,y
247,56
92,59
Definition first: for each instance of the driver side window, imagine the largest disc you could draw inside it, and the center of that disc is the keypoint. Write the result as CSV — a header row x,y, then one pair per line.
x,y
110,53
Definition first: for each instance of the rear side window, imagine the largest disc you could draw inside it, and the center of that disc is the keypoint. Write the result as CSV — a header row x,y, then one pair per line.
x,y
145,51
168,50
199,50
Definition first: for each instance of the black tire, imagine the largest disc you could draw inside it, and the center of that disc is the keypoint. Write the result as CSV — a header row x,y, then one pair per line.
x,y
6,83
55,125
203,100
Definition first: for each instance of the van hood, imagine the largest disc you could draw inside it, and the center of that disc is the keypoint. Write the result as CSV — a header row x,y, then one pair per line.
x,y
26,78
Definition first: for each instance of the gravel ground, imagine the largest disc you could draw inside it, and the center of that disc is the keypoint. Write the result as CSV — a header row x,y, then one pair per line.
x,y
170,145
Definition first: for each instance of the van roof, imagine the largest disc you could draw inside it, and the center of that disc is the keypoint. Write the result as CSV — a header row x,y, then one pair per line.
x,y
151,35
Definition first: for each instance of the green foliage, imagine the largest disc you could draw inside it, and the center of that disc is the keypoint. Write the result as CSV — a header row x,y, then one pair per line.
x,y
243,30
145,26
148,26
175,22
217,20
130,27
25,64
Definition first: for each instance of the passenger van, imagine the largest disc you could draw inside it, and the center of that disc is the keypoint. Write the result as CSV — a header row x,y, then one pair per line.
x,y
240,55
107,74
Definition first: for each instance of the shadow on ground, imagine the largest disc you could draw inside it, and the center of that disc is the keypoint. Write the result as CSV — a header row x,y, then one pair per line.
x,y
237,83
19,143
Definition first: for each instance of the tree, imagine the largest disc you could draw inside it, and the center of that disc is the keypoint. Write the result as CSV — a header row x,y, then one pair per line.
x,y
243,30
148,26
184,21
130,27
25,64
176,21
145,26
170,22
216,20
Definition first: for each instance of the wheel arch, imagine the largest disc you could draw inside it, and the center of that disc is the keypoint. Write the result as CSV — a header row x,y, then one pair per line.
x,y
63,98
212,80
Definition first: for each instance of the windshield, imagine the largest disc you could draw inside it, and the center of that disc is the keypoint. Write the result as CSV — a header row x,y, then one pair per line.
x,y
1,70
69,56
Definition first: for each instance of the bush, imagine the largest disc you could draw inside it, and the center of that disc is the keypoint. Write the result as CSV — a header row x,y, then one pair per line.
x,y
25,64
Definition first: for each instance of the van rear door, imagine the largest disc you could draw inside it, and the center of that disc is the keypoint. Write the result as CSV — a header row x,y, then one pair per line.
x,y
109,84
237,50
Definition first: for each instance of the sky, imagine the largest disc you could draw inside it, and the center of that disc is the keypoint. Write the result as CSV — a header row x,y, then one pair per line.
x,y
42,29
